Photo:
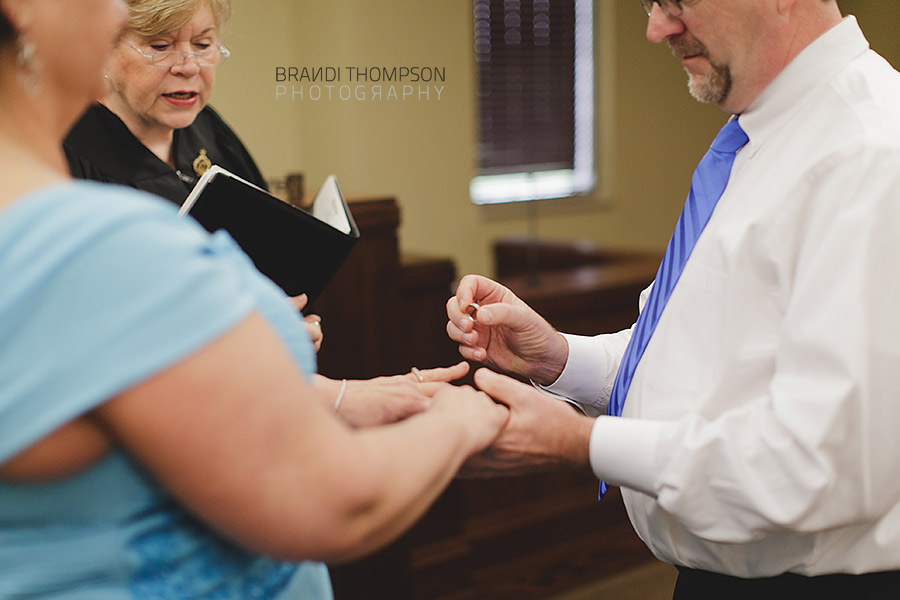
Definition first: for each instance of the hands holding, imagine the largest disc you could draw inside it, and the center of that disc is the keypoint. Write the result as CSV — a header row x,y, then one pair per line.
x,y
383,400
541,433
513,427
477,414
516,428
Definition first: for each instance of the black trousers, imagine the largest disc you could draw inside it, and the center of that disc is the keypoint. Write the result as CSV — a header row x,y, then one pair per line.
x,y
703,585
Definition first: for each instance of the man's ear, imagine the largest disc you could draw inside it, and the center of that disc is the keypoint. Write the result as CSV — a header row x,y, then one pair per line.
x,y
785,6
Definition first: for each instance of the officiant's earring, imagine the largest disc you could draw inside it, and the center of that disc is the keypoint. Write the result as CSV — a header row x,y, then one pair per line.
x,y
28,66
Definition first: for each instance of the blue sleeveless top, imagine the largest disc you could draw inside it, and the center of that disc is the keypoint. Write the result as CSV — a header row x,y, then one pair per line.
x,y
101,288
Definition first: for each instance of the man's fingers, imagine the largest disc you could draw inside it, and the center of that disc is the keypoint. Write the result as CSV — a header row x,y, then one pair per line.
x,y
474,354
500,387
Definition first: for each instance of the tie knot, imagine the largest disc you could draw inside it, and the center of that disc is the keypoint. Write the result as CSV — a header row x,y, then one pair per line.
x,y
731,138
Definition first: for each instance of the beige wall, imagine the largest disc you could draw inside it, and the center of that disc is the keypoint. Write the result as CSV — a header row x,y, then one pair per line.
x,y
650,134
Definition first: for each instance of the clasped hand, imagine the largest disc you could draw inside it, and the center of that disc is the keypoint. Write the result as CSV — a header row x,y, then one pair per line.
x,y
506,334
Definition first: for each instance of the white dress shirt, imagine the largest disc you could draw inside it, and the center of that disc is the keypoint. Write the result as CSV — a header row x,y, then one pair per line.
x,y
761,432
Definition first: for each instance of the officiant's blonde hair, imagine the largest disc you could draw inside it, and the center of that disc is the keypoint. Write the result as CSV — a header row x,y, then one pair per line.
x,y
152,17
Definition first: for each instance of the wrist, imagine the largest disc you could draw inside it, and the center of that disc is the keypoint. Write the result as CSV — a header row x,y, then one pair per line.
x,y
547,370
577,450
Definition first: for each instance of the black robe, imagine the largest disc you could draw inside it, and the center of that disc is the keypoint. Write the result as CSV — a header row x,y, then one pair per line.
x,y
100,147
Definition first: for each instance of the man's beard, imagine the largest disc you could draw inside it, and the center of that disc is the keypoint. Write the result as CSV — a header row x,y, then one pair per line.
x,y
711,88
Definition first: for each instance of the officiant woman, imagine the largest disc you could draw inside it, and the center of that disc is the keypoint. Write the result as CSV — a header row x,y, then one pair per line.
x,y
152,129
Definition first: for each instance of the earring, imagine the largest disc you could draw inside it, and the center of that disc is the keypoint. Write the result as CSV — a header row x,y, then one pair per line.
x,y
28,66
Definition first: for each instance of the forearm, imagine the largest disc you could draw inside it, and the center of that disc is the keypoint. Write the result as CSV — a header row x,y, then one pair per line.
x,y
408,465
340,493
372,484
241,441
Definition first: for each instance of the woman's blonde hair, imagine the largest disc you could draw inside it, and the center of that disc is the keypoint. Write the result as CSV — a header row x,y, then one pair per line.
x,y
152,17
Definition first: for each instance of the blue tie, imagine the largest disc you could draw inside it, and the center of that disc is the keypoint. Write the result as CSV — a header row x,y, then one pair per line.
x,y
707,185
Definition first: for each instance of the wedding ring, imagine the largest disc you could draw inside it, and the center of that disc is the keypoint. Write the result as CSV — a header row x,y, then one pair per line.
x,y
471,309
418,374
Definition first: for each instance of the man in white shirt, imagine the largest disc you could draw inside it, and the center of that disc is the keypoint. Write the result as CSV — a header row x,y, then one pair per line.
x,y
757,449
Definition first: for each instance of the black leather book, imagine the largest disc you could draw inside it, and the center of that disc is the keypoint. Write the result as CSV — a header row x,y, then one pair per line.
x,y
300,250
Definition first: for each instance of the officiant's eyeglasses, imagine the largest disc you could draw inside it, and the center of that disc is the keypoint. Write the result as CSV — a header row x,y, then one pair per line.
x,y
167,59
672,8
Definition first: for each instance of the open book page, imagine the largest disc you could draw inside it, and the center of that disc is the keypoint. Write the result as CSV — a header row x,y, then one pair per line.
x,y
328,206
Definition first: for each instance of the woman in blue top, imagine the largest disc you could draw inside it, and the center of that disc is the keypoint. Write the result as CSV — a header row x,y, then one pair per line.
x,y
158,437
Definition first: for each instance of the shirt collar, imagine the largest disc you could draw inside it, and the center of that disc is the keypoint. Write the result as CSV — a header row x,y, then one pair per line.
x,y
801,81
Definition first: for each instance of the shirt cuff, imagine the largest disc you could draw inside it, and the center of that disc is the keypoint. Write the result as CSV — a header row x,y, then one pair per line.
x,y
586,377
585,409
622,452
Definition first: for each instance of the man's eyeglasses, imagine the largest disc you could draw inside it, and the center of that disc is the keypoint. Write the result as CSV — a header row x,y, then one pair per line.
x,y
672,8
167,59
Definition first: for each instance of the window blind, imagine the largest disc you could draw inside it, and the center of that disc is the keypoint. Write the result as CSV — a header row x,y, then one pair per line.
x,y
525,58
